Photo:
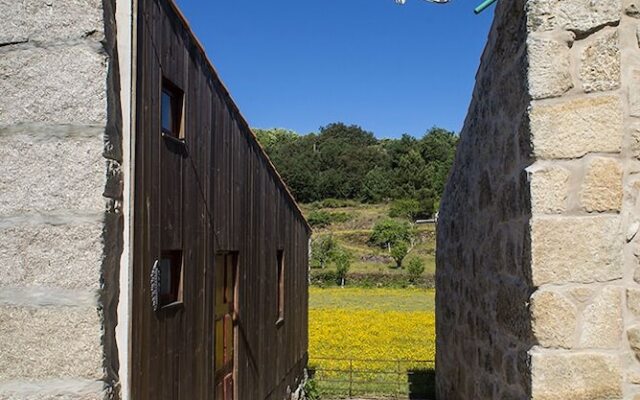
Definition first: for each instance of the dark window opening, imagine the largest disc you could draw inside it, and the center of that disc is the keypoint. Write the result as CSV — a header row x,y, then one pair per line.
x,y
280,294
170,266
172,102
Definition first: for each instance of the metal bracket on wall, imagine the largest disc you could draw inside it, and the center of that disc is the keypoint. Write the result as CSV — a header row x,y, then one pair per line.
x,y
480,8
173,139
483,6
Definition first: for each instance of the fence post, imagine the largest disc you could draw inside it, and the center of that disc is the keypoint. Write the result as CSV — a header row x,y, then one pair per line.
x,y
399,389
350,377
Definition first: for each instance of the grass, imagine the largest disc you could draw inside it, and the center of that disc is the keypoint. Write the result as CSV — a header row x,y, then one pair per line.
x,y
372,324
401,300
363,216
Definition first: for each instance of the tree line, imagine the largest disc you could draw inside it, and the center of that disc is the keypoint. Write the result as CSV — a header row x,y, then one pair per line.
x,y
346,162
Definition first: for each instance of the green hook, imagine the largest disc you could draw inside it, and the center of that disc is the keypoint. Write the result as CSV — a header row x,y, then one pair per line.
x,y
483,6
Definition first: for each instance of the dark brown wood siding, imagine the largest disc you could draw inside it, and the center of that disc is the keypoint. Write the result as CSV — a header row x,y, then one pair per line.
x,y
223,196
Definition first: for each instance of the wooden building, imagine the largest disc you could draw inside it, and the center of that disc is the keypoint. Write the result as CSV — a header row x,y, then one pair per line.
x,y
150,250
219,303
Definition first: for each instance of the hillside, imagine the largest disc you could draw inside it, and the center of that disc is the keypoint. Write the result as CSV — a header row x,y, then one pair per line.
x,y
351,226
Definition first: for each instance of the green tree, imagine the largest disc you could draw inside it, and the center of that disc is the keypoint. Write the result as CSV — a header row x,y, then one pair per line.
x,y
396,148
342,260
438,149
411,174
340,134
390,231
439,145
415,268
406,208
376,185
428,201
347,154
399,251
323,249
347,162
270,138
297,162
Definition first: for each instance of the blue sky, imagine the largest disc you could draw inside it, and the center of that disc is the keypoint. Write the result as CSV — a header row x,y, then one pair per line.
x,y
304,64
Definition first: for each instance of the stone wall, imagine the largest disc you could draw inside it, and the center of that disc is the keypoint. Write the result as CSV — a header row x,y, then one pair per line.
x,y
483,330
60,196
538,278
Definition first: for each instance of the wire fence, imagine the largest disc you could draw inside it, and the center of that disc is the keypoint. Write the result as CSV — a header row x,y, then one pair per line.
x,y
339,378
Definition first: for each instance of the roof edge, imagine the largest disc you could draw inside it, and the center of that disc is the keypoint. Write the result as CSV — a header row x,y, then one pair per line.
x,y
243,120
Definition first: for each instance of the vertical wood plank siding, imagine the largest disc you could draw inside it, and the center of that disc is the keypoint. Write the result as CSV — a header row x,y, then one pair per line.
x,y
231,200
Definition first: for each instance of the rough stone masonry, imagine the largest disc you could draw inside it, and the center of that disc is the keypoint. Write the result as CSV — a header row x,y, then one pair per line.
x,y
538,246
60,197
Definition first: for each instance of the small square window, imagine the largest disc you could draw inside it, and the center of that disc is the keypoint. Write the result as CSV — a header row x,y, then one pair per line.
x,y
280,295
171,104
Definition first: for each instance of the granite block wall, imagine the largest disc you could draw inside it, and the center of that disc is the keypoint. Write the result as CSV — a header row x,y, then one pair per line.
x,y
538,245
60,199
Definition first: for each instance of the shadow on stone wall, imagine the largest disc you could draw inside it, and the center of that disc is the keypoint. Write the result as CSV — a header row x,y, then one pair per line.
x,y
422,384
483,274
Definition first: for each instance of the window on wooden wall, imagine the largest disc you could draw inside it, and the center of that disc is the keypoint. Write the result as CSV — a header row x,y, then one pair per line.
x,y
172,104
281,287
171,278
170,197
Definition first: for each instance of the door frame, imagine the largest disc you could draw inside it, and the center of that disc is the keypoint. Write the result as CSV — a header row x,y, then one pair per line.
x,y
235,316
126,14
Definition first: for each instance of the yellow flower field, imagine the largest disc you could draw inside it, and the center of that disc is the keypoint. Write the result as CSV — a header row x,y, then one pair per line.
x,y
371,325
372,334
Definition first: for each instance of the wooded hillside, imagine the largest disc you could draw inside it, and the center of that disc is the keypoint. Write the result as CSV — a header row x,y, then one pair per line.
x,y
347,162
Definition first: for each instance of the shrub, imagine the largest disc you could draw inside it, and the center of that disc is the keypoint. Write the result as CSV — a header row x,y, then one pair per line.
x,y
328,278
324,278
340,217
337,203
322,219
399,252
415,268
319,219
311,390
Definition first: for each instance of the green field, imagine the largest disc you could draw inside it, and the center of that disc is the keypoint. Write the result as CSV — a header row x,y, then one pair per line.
x,y
360,333
404,300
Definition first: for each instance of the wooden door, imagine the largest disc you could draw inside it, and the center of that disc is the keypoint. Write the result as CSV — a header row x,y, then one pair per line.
x,y
226,292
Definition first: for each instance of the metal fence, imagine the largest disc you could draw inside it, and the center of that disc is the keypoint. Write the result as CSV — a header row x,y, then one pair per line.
x,y
373,379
